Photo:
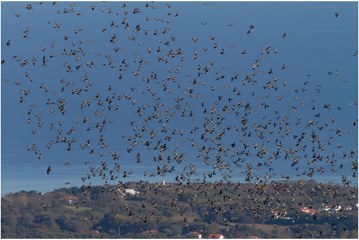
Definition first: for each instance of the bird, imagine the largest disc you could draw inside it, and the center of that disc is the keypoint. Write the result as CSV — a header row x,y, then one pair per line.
x,y
146,94
49,170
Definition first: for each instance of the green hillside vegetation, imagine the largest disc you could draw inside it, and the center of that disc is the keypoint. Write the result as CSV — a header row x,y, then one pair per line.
x,y
175,211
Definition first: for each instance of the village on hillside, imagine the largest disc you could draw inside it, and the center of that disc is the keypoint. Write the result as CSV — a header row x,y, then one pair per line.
x,y
149,210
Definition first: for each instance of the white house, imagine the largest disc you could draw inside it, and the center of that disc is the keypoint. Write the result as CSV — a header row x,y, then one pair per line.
x,y
327,208
347,208
337,208
131,191
70,199
217,236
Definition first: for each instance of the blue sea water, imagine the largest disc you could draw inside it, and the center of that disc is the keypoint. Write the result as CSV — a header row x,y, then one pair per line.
x,y
316,42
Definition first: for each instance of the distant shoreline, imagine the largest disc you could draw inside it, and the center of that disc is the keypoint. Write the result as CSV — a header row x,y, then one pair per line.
x,y
234,183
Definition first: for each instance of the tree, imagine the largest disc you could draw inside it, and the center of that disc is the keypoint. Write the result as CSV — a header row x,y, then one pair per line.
x,y
176,230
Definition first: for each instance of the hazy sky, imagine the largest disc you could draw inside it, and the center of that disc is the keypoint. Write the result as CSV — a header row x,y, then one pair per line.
x,y
318,51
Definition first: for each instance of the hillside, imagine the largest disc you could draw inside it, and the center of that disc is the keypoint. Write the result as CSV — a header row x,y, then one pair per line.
x,y
145,210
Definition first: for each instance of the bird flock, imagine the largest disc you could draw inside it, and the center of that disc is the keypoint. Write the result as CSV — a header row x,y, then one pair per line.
x,y
142,94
